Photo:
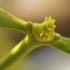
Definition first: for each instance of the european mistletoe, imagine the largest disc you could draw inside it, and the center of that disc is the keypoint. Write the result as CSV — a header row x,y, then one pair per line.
x,y
36,35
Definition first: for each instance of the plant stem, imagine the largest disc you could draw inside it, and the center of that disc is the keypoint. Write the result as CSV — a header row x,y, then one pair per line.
x,y
23,48
62,44
9,21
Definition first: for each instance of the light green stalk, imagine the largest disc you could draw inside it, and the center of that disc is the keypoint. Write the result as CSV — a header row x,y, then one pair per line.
x,y
9,21
22,49
61,43
37,35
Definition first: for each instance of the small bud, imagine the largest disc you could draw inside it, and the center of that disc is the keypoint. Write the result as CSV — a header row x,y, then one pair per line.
x,y
45,19
49,29
44,36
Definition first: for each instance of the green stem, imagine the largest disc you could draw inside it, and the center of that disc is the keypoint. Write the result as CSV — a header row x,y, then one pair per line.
x,y
62,44
9,21
23,48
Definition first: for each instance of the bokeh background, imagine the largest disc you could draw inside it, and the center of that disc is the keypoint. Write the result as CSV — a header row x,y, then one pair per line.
x,y
42,58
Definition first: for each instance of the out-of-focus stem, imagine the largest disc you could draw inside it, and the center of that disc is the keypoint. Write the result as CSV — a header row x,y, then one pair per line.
x,y
22,49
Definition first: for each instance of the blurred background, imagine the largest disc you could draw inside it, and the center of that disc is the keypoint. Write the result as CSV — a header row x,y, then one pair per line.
x,y
43,58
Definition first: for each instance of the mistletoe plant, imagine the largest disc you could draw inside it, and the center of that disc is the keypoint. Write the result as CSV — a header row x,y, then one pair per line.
x,y
36,35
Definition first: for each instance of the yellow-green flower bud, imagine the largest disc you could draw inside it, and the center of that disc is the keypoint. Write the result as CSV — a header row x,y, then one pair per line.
x,y
45,30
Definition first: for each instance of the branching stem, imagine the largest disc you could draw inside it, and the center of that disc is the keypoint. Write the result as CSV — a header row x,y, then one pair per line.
x,y
23,48
37,35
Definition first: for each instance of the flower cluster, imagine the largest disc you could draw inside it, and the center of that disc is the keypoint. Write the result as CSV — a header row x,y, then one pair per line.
x,y
45,30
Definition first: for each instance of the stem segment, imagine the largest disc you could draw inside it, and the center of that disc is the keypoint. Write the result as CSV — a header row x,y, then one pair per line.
x,y
62,44
9,21
23,48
